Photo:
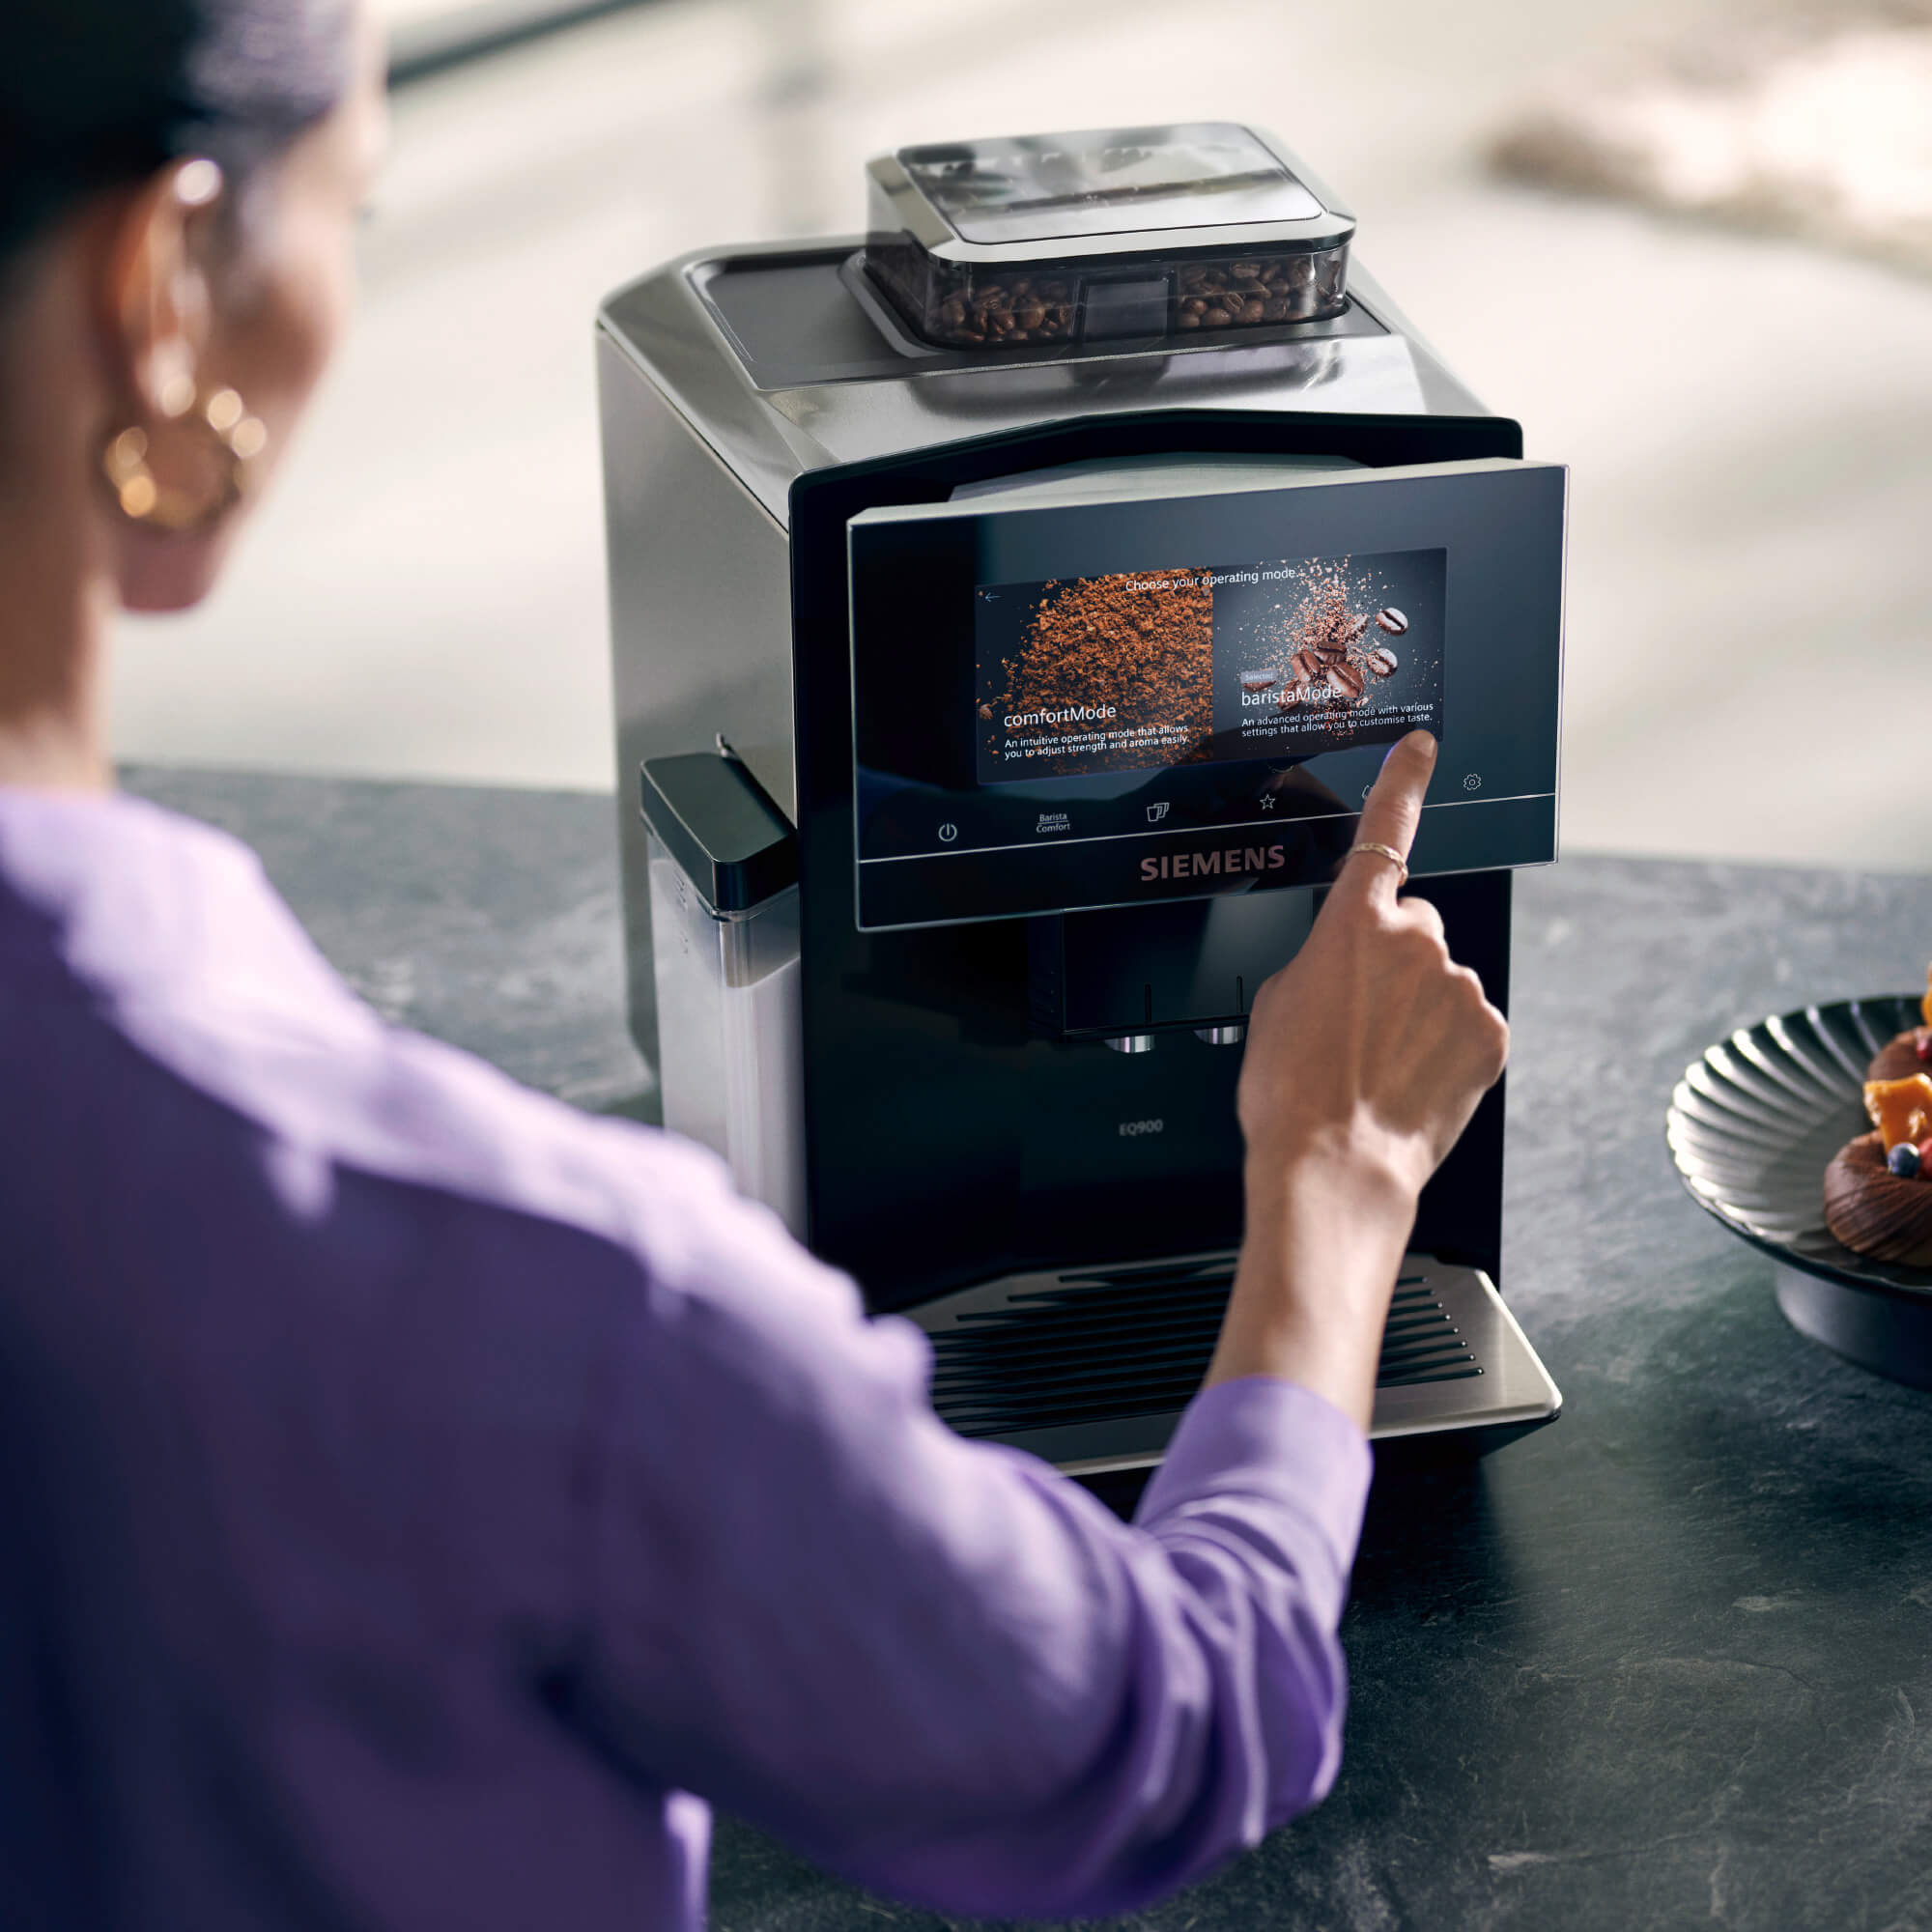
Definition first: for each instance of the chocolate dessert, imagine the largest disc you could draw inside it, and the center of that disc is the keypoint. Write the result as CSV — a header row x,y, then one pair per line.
x,y
1873,1210
1878,1189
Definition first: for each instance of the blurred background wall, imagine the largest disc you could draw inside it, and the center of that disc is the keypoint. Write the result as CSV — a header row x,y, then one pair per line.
x,y
1749,418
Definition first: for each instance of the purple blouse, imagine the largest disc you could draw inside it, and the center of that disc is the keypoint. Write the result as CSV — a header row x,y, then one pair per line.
x,y
420,1502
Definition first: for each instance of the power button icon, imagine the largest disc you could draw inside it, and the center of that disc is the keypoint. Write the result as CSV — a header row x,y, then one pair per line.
x,y
947,833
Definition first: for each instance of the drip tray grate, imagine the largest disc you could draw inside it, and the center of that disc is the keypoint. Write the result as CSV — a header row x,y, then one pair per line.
x,y
1093,1368
1102,1346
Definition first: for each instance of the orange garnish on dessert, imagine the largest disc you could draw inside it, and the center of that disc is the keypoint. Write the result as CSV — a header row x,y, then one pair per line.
x,y
1901,1110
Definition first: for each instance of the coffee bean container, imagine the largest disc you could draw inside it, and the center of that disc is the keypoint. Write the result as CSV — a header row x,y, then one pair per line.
x,y
1048,240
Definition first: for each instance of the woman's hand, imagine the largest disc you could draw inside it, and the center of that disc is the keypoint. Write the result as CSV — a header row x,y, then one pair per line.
x,y
1366,1056
1371,1043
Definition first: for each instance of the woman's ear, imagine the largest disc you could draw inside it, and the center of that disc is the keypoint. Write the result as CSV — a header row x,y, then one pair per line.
x,y
156,304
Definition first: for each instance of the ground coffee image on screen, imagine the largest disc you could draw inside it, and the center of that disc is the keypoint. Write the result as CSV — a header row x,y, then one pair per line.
x,y
1321,654
1110,673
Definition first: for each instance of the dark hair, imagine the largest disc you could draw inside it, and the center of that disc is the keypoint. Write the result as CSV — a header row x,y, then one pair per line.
x,y
94,93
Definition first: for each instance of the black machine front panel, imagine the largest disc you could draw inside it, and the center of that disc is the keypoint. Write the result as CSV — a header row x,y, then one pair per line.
x,y
963,1115
1095,703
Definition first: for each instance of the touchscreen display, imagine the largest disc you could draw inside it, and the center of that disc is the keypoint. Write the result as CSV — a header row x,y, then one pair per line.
x,y
1147,670
1096,692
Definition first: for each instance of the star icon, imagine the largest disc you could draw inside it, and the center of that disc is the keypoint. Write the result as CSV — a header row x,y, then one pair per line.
x,y
1268,801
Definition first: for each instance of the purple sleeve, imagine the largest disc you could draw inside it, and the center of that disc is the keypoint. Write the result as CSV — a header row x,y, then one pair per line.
x,y
941,1668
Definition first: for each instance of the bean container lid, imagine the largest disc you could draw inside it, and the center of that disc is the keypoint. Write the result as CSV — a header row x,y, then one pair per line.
x,y
714,818
1107,191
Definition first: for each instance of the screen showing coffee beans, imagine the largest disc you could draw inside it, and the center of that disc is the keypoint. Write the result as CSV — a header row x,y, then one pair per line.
x,y
1140,670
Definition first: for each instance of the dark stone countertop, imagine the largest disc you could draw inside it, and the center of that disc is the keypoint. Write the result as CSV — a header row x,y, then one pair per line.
x,y
1666,1663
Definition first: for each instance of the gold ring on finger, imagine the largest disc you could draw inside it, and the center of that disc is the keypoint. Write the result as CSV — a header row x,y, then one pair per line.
x,y
1387,852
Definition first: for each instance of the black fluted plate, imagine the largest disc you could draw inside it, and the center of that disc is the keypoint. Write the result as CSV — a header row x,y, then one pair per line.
x,y
1754,1122
1753,1125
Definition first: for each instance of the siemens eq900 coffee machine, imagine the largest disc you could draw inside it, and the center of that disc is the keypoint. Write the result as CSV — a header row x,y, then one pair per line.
x,y
1010,611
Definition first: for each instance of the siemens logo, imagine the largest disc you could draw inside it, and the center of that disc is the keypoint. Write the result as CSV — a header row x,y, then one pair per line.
x,y
1133,1129
1228,861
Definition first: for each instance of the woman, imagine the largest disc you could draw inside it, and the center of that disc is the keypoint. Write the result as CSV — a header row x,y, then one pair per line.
x,y
416,1500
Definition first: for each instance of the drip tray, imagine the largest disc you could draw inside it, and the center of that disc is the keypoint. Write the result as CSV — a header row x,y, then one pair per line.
x,y
1091,1368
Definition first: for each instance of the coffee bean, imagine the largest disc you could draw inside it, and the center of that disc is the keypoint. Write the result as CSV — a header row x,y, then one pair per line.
x,y
1305,665
1382,661
1346,680
1014,310
1356,627
1392,621
987,712
1258,680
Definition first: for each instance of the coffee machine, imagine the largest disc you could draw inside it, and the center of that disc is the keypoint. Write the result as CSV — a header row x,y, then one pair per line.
x,y
1011,609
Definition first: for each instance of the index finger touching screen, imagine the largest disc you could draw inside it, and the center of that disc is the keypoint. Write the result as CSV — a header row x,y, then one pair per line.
x,y
1379,864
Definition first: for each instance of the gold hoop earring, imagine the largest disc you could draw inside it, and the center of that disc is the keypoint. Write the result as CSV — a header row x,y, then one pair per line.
x,y
141,496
